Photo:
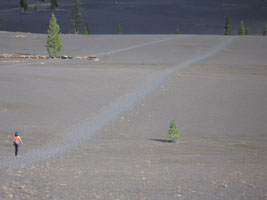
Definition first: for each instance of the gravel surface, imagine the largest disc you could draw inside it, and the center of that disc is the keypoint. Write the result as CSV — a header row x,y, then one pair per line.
x,y
98,130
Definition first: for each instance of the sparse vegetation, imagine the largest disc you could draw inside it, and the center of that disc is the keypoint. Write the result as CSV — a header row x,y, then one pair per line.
x,y
119,30
53,44
76,16
86,30
174,133
265,30
227,27
24,5
242,30
35,8
54,4
247,31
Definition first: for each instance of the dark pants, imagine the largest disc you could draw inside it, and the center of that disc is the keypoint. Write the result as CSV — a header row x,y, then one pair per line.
x,y
16,148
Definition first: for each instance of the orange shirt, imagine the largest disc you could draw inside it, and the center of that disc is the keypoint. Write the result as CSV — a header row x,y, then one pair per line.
x,y
16,138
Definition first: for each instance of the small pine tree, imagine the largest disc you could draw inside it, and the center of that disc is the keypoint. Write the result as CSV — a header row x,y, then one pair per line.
x,y
35,7
54,4
53,44
247,31
174,133
24,5
265,30
76,16
242,30
227,27
119,29
177,31
86,30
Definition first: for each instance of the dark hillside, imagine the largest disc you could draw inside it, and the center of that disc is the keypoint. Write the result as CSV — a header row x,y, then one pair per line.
x,y
139,16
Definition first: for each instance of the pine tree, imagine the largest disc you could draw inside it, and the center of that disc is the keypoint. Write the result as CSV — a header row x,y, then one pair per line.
x,y
174,133
177,31
76,16
35,7
247,31
54,4
119,30
242,30
24,5
86,30
53,44
265,30
227,27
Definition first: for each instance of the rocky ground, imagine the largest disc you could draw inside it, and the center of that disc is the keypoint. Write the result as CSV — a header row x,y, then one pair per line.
x,y
98,130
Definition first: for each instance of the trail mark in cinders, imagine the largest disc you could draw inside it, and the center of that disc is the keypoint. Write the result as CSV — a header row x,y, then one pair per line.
x,y
136,46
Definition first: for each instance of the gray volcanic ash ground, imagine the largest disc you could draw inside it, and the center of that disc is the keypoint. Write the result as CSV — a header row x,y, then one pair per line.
x,y
98,130
139,16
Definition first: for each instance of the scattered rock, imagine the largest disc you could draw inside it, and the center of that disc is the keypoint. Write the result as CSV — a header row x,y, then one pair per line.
x,y
66,57
213,182
23,56
81,57
179,195
33,56
21,187
20,36
225,185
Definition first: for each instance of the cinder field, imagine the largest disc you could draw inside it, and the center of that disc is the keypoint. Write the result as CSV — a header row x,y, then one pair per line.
x,y
138,16
98,130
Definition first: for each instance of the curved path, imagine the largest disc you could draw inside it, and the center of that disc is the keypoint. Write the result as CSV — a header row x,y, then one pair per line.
x,y
80,133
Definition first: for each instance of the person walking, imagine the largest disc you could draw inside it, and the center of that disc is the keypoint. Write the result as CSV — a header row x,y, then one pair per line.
x,y
17,140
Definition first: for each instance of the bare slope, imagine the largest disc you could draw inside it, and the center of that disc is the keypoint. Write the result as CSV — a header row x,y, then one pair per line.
x,y
107,122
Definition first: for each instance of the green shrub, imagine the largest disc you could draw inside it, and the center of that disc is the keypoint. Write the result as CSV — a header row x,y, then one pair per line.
x,y
265,30
247,31
119,29
86,30
76,16
242,29
174,133
54,4
227,27
24,5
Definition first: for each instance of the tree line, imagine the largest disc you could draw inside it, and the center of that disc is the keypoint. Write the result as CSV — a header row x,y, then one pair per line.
x,y
54,44
77,20
242,29
25,7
